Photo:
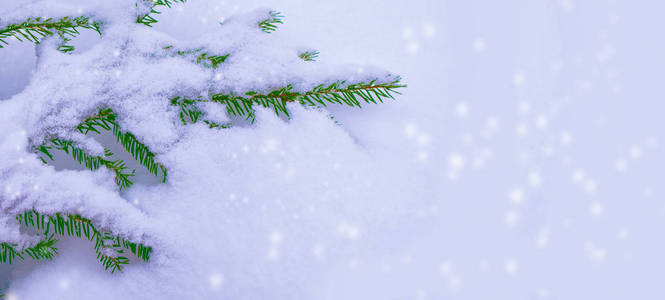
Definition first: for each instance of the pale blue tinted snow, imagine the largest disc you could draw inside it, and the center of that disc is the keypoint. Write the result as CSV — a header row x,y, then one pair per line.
x,y
529,146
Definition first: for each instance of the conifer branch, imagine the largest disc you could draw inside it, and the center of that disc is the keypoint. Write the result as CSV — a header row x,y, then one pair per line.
x,y
34,30
91,162
309,55
106,119
43,250
147,19
336,93
352,94
79,227
270,24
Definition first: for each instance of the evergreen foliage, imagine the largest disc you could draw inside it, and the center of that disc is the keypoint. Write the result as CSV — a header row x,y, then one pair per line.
x,y
270,24
309,55
91,162
105,119
148,19
189,112
43,250
34,30
111,249
335,93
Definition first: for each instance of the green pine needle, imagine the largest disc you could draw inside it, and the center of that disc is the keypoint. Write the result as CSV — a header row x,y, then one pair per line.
x,y
211,61
105,119
34,30
309,55
243,106
90,162
336,93
43,250
190,113
148,19
79,227
270,24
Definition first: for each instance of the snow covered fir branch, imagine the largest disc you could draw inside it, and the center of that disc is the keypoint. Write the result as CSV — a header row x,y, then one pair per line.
x,y
105,242
105,119
178,105
35,29
277,100
77,226
43,250
91,162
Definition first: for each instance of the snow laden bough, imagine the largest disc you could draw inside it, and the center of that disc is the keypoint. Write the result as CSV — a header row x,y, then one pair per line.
x,y
217,74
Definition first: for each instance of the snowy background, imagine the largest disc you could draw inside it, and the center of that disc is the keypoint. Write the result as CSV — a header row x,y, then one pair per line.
x,y
524,161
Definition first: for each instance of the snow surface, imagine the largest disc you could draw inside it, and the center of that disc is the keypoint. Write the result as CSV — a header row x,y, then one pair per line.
x,y
522,162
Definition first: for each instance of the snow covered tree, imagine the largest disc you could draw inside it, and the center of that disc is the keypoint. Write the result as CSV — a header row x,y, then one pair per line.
x,y
148,91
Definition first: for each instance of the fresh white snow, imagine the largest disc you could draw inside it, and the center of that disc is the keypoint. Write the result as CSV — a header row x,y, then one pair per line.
x,y
522,162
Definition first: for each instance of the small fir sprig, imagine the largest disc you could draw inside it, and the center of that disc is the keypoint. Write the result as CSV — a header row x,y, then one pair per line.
x,y
34,30
189,112
148,19
80,227
211,61
338,92
335,93
106,119
43,250
90,162
309,55
270,24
